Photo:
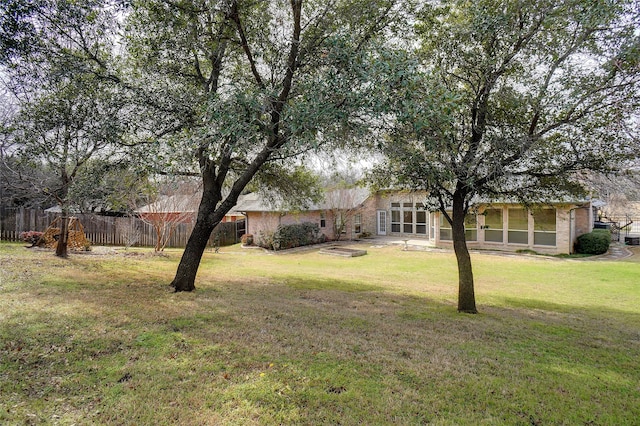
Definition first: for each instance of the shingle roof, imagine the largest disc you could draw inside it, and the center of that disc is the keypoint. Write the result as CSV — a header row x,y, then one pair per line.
x,y
341,198
182,203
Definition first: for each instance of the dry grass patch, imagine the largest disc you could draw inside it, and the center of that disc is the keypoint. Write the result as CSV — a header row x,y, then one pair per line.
x,y
312,339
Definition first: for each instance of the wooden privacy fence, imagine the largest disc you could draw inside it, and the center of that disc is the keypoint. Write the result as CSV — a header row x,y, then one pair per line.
x,y
110,230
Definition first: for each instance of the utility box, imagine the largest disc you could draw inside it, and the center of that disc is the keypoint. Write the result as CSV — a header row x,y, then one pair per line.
x,y
632,241
601,225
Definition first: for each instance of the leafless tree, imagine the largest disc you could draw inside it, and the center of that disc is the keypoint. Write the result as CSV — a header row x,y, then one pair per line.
x,y
172,205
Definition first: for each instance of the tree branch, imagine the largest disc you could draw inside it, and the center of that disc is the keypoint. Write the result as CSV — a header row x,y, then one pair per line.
x,y
235,17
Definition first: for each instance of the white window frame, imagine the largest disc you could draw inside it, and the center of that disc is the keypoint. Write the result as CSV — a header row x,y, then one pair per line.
x,y
381,222
510,230
397,209
543,233
357,223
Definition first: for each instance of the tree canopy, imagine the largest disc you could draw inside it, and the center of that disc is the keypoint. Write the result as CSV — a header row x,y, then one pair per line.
x,y
237,90
509,99
68,113
230,90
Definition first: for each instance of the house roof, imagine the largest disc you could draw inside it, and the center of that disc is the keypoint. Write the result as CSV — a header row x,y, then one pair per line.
x,y
341,198
77,210
252,203
58,209
234,210
181,203
345,198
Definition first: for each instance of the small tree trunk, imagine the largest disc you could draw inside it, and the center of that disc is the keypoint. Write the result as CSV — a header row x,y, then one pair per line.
x,y
466,293
63,238
159,228
172,227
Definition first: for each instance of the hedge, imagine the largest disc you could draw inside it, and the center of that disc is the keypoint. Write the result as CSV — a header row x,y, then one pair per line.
x,y
290,236
595,242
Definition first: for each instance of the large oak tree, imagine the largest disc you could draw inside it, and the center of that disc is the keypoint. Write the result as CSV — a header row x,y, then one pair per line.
x,y
240,88
509,100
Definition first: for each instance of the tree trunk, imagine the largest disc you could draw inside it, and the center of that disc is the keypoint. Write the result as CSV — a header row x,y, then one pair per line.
x,y
185,277
466,293
159,228
190,262
63,238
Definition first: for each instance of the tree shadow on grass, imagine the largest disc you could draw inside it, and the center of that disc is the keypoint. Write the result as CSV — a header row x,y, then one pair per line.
x,y
316,350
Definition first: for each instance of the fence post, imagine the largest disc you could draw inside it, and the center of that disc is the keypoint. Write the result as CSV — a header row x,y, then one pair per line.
x,y
19,220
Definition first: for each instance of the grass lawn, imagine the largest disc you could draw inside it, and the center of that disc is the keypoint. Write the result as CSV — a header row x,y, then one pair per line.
x,y
313,339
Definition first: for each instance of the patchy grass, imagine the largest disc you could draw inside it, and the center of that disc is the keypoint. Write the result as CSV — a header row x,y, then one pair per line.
x,y
312,339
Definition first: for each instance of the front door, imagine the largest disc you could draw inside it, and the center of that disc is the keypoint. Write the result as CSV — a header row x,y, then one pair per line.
x,y
382,222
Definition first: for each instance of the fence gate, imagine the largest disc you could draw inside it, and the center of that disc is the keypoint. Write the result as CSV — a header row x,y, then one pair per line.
x,y
241,229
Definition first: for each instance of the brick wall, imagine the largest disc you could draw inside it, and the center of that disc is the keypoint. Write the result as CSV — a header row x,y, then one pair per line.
x,y
583,221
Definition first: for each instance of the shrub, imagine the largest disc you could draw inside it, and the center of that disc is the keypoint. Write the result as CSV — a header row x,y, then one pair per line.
x,y
265,239
247,239
31,237
595,242
605,232
290,236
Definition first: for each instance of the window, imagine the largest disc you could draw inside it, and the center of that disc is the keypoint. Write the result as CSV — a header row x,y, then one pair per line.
x,y
343,223
407,218
518,226
445,227
357,223
382,222
471,227
395,217
323,220
493,231
421,221
544,227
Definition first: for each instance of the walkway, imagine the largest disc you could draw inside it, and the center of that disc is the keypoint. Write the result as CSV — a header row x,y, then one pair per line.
x,y
617,251
414,244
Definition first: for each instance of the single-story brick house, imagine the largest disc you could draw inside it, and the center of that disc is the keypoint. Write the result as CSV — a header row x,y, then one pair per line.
x,y
551,229
339,215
